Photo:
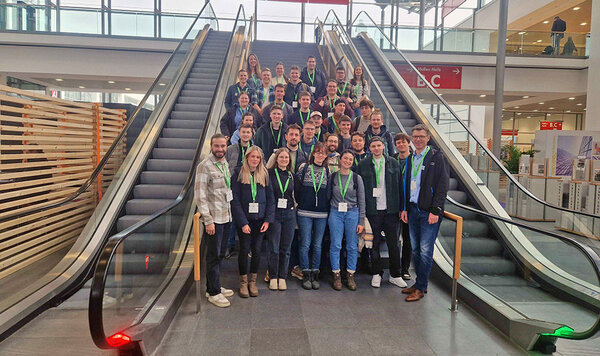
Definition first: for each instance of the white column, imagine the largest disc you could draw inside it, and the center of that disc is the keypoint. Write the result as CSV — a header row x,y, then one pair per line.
x,y
593,82
488,126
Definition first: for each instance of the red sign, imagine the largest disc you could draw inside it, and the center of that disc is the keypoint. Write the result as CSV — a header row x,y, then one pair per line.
x,y
54,93
450,5
510,132
440,77
550,125
331,2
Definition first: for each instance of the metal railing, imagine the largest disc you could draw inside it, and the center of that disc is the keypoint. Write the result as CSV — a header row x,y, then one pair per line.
x,y
457,257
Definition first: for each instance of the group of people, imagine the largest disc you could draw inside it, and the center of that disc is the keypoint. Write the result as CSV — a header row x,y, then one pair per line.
x,y
301,155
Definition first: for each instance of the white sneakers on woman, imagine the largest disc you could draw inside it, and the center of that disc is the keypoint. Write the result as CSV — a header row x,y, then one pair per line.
x,y
397,281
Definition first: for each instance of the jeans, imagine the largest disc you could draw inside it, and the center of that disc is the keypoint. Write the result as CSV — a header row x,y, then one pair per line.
x,y
279,242
406,247
311,235
231,238
387,223
556,37
340,224
215,251
250,242
422,239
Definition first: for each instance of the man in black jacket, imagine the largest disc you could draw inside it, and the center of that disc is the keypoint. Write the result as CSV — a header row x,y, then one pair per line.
x,y
559,27
314,78
426,180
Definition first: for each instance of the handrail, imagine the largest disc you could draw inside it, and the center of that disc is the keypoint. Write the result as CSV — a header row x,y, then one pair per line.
x,y
197,239
457,257
589,253
472,135
118,139
97,289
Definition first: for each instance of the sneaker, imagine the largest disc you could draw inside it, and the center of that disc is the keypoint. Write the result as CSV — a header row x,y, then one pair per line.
x,y
406,276
398,281
267,277
230,253
297,272
273,284
226,293
219,300
376,281
282,284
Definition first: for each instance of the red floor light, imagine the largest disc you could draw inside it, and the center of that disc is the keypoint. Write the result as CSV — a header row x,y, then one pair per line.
x,y
118,339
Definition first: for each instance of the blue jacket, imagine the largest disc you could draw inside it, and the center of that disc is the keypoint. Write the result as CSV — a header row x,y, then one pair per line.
x,y
231,99
435,180
242,196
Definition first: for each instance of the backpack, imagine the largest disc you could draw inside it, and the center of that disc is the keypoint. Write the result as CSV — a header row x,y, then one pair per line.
x,y
334,176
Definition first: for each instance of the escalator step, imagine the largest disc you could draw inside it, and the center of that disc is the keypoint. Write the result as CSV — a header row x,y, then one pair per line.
x,y
198,100
188,143
465,214
181,133
191,120
202,93
488,266
191,107
169,165
470,228
147,242
204,83
158,225
173,153
474,246
161,177
458,195
141,263
145,206
453,184
156,191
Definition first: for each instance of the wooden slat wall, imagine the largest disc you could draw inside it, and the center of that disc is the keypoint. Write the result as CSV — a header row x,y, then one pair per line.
x,y
48,149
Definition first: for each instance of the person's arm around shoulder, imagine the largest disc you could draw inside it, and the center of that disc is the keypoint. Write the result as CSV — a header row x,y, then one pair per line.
x,y
200,195
362,208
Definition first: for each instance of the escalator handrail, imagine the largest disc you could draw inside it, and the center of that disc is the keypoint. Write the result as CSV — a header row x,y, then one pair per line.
x,y
100,274
588,252
107,155
471,134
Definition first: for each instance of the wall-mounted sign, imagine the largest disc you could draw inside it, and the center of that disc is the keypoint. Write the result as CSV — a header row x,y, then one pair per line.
x,y
510,132
550,125
440,77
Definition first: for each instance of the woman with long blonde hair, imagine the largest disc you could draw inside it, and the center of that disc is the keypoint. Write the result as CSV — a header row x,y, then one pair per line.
x,y
254,72
253,208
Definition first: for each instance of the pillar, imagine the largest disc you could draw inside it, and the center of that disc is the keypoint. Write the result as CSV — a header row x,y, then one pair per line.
x,y
592,121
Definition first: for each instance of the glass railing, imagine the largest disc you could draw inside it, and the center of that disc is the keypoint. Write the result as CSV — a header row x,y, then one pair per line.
x,y
95,21
123,290
36,218
466,40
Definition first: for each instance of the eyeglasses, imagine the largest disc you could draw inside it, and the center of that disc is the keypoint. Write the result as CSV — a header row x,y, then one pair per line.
x,y
320,153
419,137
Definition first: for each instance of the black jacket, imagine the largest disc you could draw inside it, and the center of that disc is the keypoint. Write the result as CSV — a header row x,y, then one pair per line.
x,y
265,140
242,196
388,139
559,26
320,82
434,182
228,126
231,98
393,191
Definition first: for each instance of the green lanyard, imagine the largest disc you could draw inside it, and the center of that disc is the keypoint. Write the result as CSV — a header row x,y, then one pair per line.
x,y
415,170
318,138
243,111
283,190
253,187
240,91
225,174
307,116
355,161
402,167
332,102
335,124
278,135
344,90
244,152
357,89
312,173
378,170
312,80
255,80
265,94
343,191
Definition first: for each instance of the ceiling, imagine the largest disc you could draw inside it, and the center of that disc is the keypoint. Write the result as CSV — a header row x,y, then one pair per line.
x,y
573,18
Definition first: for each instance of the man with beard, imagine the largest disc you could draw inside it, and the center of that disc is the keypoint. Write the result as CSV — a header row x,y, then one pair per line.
x,y
292,143
333,156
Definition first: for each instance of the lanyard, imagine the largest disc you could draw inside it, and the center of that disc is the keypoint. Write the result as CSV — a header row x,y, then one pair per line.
x,y
344,90
402,167
243,111
415,170
343,191
244,151
312,80
253,187
265,94
225,174
332,102
280,185
378,170
335,126
240,91
318,137
255,80
312,173
307,116
278,134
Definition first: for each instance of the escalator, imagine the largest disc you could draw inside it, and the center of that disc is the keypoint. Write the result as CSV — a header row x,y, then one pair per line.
x,y
534,285
157,163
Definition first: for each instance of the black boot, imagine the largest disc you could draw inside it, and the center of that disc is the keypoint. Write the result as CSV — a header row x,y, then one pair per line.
x,y
314,278
306,277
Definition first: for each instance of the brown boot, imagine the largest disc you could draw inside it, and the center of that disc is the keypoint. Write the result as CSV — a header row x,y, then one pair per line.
x,y
337,281
414,296
244,286
252,285
351,282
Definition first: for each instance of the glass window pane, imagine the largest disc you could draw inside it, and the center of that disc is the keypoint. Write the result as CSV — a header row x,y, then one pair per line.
x,y
175,26
81,21
133,4
132,24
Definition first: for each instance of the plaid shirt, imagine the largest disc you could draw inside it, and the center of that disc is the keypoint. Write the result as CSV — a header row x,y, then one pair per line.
x,y
346,90
210,192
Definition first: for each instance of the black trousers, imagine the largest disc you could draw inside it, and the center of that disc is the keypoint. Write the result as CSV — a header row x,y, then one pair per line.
x,y
406,247
388,223
251,242
215,251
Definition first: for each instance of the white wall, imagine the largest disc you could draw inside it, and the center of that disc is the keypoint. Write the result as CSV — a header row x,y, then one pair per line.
x,y
487,17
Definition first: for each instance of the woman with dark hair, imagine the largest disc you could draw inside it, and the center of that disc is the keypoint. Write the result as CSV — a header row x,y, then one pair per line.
x,y
281,231
361,89
254,72
310,188
253,208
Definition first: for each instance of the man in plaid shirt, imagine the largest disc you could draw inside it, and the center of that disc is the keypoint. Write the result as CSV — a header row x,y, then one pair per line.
x,y
344,88
212,191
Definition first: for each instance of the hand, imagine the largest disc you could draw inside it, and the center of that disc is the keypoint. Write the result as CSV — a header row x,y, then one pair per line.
x,y
246,229
210,229
360,229
404,217
433,219
264,227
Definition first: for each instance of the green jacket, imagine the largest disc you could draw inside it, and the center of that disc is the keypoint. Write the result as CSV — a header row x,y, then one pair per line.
x,y
393,182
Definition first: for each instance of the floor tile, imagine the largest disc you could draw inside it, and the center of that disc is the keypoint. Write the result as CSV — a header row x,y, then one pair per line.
x,y
281,341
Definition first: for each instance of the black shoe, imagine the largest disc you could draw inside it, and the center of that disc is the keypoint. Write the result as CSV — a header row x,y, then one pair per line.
x,y
306,279
406,276
230,253
314,278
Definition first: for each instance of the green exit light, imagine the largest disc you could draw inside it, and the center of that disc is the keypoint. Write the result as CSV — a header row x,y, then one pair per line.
x,y
563,331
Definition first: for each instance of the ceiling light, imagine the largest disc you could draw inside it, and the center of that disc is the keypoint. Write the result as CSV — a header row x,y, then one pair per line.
x,y
518,113
482,96
516,107
525,96
161,84
568,111
542,103
546,21
127,88
522,33
549,114
584,108
461,101
529,117
551,108
81,87
576,8
536,110
111,82
538,41
583,24
58,80
572,98
579,104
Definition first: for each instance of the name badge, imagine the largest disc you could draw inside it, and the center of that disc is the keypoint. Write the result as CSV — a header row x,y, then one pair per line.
x,y
313,89
413,184
377,192
229,195
282,203
294,104
343,207
329,114
253,208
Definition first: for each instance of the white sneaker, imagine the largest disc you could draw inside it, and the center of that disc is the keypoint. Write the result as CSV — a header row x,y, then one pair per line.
x,y
219,300
376,281
398,281
226,292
